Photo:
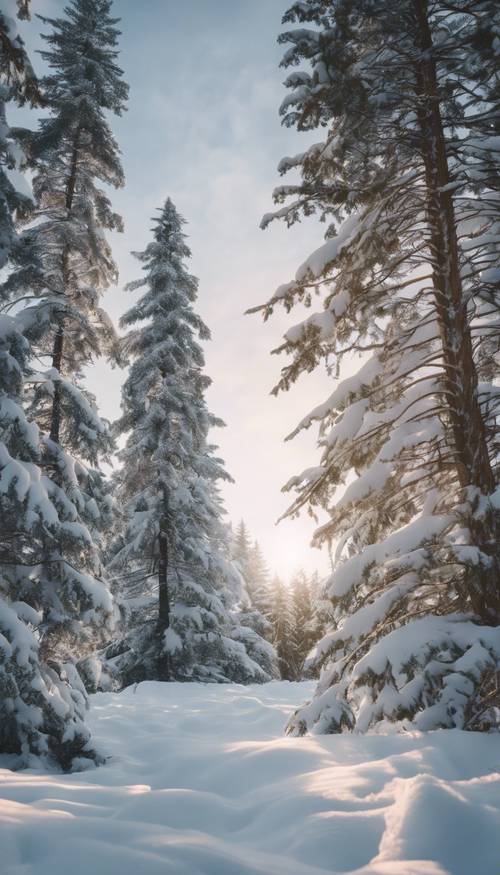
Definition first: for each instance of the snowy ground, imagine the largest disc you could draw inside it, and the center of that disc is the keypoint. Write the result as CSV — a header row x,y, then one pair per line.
x,y
201,781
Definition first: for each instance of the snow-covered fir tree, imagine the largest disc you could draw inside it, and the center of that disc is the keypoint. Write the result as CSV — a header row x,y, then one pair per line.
x,y
247,624
172,549
61,266
258,580
42,703
66,263
252,565
252,629
255,604
283,629
322,610
18,84
242,544
304,620
406,179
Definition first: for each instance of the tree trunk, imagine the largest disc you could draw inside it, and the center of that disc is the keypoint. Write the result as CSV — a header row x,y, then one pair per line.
x,y
57,353
467,424
58,346
163,593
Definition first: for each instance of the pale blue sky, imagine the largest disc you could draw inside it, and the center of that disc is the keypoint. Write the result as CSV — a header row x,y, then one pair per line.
x,y
203,127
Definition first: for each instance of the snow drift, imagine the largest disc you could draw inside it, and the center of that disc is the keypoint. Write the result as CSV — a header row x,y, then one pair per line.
x,y
201,781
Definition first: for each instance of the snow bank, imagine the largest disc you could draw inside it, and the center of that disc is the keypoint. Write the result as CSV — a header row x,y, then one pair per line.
x,y
201,781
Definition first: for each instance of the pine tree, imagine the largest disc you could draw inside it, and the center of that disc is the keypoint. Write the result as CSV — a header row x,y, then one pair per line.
x,y
255,632
304,627
62,265
407,181
241,548
322,606
252,565
252,623
42,704
255,600
19,84
173,537
66,264
258,580
283,629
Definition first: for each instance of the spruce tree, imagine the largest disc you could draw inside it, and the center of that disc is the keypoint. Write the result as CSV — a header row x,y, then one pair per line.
x,y
323,611
258,580
255,599
172,538
283,629
67,264
18,83
406,180
42,703
61,266
252,565
304,626
64,267
241,548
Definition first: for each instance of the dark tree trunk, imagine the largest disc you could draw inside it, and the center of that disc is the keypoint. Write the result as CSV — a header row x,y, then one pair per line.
x,y
460,383
58,346
57,353
70,186
163,592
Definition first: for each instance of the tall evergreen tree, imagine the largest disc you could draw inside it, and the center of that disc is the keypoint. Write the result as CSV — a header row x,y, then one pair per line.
x,y
61,266
252,618
74,153
64,267
167,482
258,580
283,630
42,703
407,181
255,606
242,545
304,621
252,565
18,84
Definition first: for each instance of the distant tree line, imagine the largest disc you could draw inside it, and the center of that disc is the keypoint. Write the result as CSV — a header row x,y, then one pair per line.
x,y
297,612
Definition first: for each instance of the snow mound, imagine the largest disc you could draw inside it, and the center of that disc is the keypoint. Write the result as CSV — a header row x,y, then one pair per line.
x,y
201,781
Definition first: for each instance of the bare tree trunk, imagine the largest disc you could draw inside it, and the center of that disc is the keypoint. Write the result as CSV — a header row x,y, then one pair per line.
x,y
467,424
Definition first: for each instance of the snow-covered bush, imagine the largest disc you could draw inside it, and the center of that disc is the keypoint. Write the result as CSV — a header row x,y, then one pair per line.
x,y
42,712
